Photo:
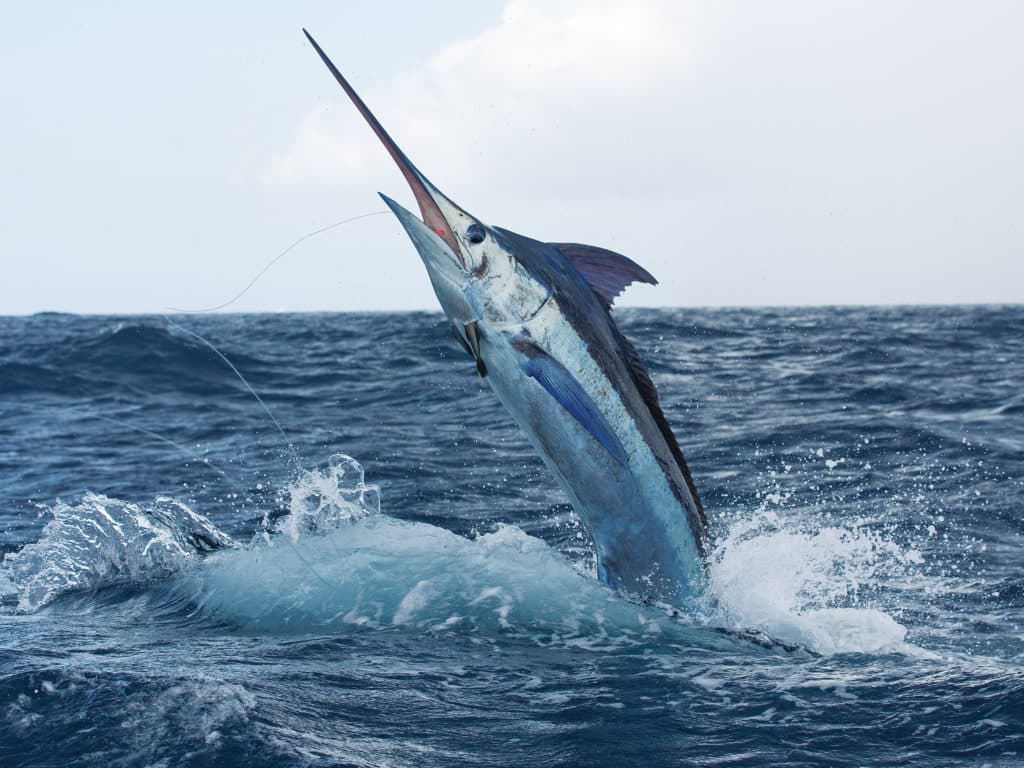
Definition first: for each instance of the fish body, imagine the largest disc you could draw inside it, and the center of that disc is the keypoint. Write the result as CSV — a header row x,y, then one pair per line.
x,y
536,319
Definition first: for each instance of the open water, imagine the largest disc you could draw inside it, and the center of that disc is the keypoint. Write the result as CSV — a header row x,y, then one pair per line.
x,y
387,576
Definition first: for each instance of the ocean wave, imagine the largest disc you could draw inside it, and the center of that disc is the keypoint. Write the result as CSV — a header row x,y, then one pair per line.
x,y
124,355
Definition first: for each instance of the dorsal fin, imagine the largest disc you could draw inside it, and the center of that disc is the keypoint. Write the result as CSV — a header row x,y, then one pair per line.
x,y
607,272
650,395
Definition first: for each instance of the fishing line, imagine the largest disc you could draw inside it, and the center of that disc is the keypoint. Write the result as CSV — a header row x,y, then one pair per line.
x,y
294,454
252,391
183,448
83,410
241,378
291,448
274,261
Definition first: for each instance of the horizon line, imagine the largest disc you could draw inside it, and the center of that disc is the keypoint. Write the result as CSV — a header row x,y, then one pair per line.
x,y
439,311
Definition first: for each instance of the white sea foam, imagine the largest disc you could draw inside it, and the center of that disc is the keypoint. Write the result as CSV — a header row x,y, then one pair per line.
x,y
807,588
194,712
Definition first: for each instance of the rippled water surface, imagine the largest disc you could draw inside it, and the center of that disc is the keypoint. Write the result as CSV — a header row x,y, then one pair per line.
x,y
372,568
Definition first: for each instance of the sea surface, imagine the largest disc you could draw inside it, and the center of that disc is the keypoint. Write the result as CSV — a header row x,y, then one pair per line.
x,y
318,540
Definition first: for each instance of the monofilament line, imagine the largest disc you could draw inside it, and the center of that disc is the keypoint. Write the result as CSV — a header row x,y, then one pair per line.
x,y
276,259
291,448
241,378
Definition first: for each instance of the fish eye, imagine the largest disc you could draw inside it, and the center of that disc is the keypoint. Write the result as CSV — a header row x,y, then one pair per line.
x,y
475,234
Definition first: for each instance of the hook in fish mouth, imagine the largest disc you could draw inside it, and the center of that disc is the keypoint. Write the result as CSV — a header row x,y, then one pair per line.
x,y
426,194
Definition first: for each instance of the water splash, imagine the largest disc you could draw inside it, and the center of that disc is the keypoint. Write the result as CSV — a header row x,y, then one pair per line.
x,y
102,541
335,562
809,588
322,500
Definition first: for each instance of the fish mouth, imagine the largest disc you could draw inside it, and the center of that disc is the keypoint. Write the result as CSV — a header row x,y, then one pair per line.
x,y
426,194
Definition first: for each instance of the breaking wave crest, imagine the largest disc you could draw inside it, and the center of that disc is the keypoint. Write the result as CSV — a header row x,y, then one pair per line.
x,y
101,542
334,563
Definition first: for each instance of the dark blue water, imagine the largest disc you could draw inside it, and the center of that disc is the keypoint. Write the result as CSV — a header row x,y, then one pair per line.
x,y
184,583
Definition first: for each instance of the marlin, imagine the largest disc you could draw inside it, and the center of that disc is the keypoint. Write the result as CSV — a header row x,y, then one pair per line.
x,y
536,320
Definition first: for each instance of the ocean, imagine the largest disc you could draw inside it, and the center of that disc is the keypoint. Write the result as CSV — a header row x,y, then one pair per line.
x,y
318,540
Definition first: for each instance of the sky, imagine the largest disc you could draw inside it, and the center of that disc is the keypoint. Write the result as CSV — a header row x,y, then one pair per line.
x,y
158,156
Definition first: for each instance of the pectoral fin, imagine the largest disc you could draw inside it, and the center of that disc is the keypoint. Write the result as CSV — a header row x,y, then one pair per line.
x,y
462,342
469,338
473,338
569,393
